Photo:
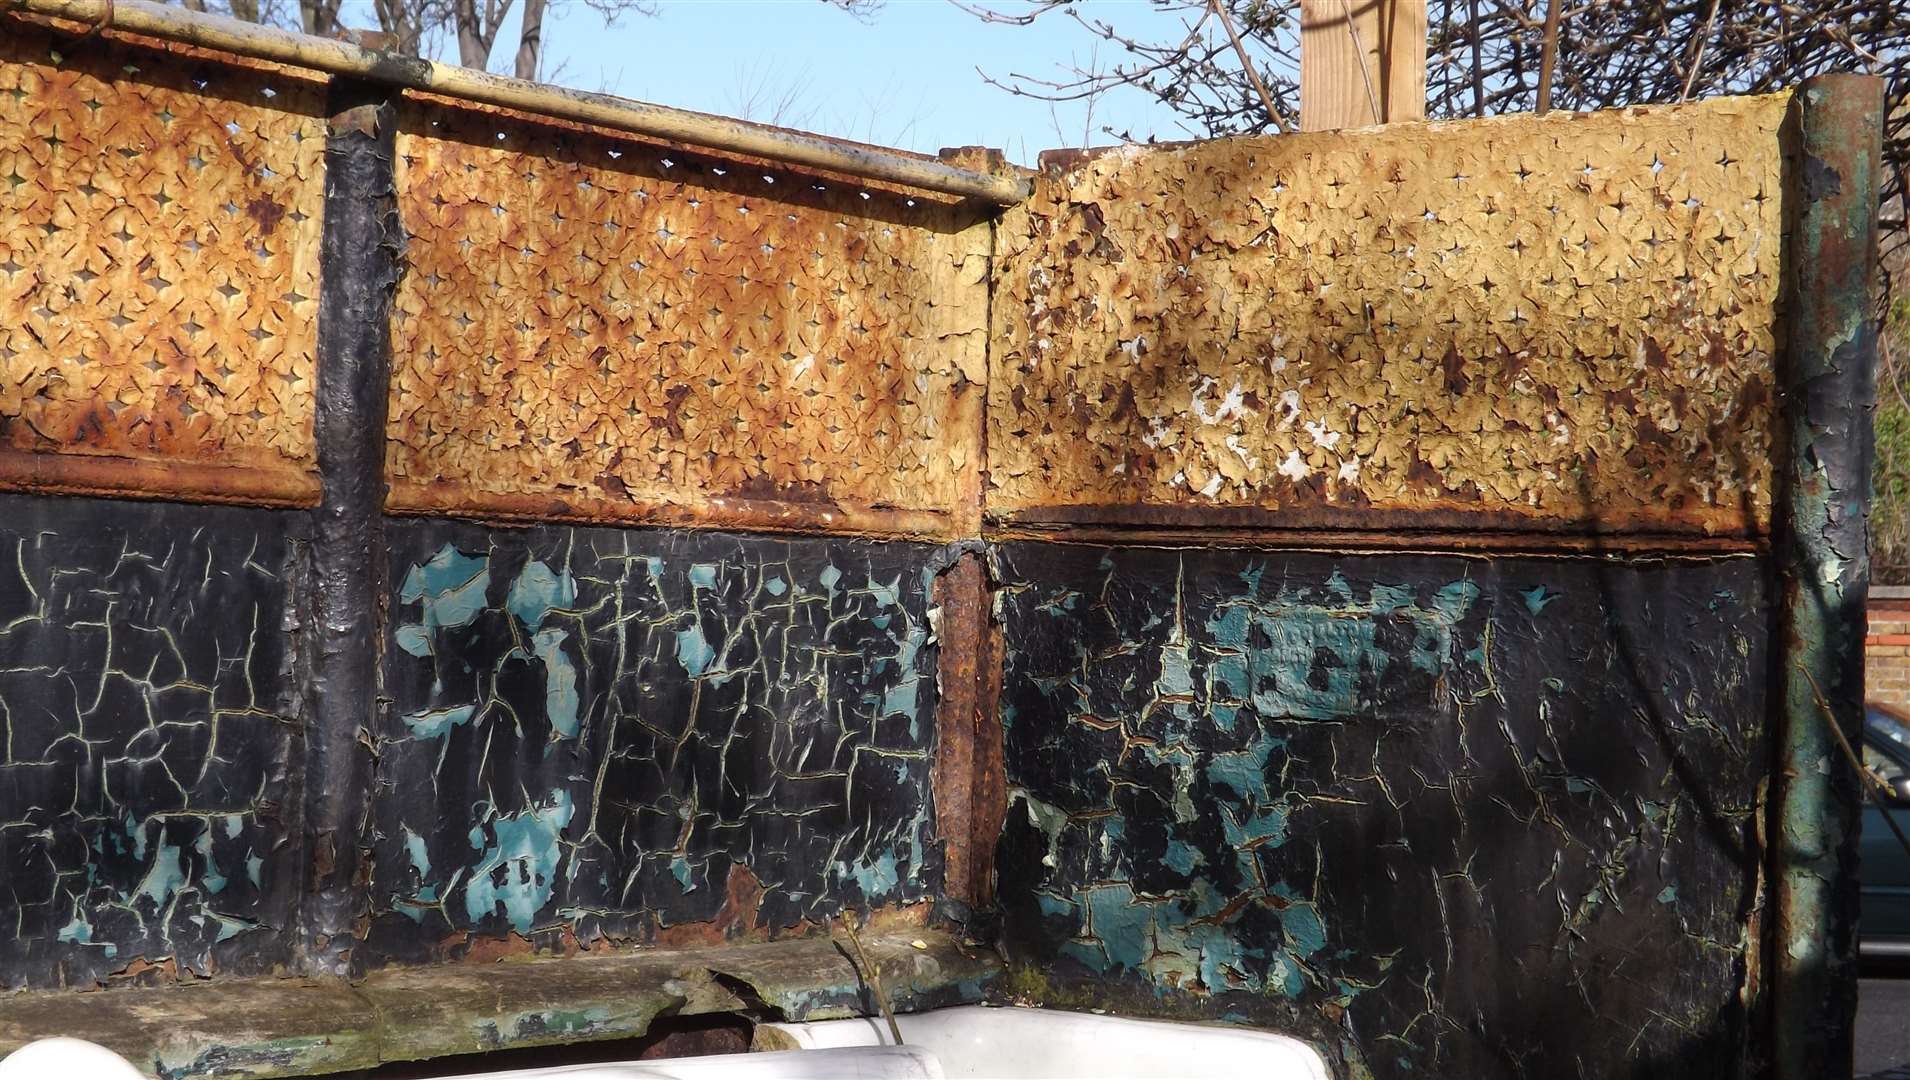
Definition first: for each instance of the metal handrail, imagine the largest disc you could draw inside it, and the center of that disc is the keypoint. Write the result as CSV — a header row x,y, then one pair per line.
x,y
345,58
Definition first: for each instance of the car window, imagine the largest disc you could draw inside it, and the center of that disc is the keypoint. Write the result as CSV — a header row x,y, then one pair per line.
x,y
1882,765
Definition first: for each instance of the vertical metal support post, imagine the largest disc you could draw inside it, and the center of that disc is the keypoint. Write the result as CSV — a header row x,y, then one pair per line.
x,y
1828,392
359,262
970,796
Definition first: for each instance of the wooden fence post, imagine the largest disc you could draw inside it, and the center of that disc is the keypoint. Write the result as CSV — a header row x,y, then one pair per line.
x,y
1362,62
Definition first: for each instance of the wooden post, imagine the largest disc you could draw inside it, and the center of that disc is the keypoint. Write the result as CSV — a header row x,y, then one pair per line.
x,y
1362,62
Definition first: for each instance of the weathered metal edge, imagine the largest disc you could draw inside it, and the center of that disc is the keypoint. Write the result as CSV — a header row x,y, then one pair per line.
x,y
359,264
350,60
155,478
1823,510
1723,522
288,1027
1426,540
411,498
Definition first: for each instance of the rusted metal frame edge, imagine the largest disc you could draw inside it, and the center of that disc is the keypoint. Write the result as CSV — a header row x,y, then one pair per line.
x,y
410,498
265,1026
1823,502
967,776
1391,541
360,260
959,594
60,473
1587,521
350,60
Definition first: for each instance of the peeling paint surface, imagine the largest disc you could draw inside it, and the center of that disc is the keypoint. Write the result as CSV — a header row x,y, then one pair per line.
x,y
147,739
1386,803
159,234
600,732
631,327
1537,320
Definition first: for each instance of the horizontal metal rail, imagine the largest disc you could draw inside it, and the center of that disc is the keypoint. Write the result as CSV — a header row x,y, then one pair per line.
x,y
188,27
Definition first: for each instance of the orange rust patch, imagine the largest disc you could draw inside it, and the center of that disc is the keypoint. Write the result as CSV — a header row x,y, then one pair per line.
x,y
742,897
1567,319
618,323
158,259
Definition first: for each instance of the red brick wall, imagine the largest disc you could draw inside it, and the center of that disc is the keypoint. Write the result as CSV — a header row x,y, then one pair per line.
x,y
1887,649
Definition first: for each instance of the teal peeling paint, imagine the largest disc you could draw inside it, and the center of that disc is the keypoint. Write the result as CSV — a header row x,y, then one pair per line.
x,y
166,875
561,700
1245,771
1537,597
876,877
537,592
229,927
1319,653
693,650
1051,904
450,586
904,694
1305,930
525,847
1177,679
1181,857
213,880
419,856
436,723
703,575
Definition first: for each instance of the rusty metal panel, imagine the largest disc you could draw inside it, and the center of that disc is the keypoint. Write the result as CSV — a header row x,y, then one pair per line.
x,y
150,715
659,736
159,216
1563,322
596,328
1442,815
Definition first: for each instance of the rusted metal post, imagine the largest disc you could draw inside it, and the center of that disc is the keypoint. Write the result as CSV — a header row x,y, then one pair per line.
x,y
1829,390
359,261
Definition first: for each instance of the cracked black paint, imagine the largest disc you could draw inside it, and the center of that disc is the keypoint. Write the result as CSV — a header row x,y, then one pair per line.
x,y
150,735
590,728
1447,816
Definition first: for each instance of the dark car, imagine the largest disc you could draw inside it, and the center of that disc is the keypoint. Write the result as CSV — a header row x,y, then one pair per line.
x,y
1885,930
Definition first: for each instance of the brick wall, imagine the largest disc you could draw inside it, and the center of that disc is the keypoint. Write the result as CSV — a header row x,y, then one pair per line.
x,y
1887,648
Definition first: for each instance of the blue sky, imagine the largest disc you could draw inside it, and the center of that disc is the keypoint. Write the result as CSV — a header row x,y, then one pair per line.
x,y
905,77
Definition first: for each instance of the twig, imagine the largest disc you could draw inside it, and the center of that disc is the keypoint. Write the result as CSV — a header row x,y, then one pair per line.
x,y
1890,369
1697,57
1478,73
874,976
1879,792
1359,50
1253,75
1549,58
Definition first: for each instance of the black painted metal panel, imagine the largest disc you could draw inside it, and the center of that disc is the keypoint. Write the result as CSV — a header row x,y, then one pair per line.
x,y
619,732
1448,816
148,793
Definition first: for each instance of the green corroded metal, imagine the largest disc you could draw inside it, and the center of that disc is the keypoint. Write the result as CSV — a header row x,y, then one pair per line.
x,y
1829,391
273,1027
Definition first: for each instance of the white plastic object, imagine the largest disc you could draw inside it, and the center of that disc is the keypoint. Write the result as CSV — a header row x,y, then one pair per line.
x,y
66,1059
846,1063
980,1041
